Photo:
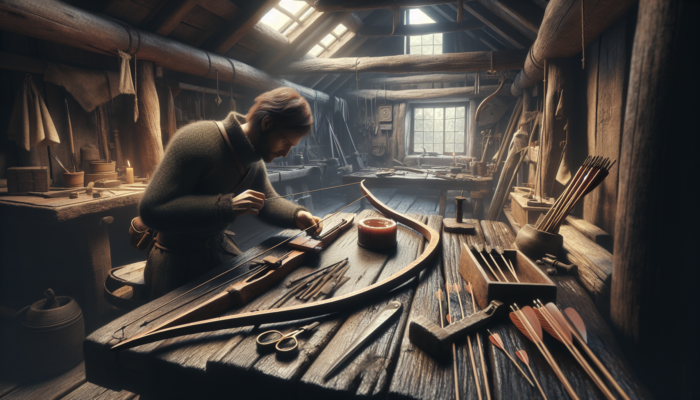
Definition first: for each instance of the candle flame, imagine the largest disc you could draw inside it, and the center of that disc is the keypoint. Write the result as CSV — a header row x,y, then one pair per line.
x,y
128,163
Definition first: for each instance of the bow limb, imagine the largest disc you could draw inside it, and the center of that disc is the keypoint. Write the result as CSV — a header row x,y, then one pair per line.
x,y
329,306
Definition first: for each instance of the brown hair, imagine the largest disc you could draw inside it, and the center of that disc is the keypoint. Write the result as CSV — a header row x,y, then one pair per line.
x,y
290,112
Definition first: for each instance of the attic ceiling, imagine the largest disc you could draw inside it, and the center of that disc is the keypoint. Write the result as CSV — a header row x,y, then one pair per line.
x,y
236,29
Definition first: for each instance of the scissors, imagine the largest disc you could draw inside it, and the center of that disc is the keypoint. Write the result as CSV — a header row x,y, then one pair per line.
x,y
283,343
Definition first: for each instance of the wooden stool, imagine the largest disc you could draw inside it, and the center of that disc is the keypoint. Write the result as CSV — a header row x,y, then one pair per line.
x,y
125,287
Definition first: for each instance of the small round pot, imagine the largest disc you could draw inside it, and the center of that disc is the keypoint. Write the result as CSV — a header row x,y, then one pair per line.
x,y
102,166
52,341
74,179
535,243
376,233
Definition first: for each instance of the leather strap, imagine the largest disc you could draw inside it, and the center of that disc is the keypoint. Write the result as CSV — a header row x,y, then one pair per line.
x,y
224,134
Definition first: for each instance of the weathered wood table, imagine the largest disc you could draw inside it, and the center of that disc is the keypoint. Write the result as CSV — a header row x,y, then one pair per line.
x,y
227,364
422,181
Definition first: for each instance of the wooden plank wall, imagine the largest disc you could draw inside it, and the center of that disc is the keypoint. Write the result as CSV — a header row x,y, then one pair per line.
x,y
605,76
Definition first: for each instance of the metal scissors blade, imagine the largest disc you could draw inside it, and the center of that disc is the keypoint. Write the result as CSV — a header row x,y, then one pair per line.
x,y
385,315
282,342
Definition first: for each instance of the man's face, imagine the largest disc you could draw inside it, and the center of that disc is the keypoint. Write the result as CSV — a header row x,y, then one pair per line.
x,y
276,144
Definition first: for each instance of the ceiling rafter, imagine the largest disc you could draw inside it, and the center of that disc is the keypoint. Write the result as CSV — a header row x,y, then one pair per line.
x,y
170,16
524,16
504,30
241,24
441,13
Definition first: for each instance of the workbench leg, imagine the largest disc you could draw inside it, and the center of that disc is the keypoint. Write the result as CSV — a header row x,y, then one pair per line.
x,y
443,201
478,200
99,262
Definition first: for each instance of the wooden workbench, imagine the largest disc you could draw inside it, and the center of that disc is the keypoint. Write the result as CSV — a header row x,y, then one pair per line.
x,y
226,363
427,180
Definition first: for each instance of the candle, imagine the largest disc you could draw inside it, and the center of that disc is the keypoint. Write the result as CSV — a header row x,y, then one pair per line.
x,y
129,173
454,156
376,233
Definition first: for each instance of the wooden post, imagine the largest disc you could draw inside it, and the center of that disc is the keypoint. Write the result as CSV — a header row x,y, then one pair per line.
x,y
399,129
655,274
148,124
472,134
559,90
168,124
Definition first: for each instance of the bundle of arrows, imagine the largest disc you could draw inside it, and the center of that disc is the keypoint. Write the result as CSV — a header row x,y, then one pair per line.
x,y
564,326
588,177
316,285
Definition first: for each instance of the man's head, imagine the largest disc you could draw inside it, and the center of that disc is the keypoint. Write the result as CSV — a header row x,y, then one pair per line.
x,y
278,120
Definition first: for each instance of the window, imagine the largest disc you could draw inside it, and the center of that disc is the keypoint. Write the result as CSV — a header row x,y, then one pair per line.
x,y
424,44
439,128
329,40
287,16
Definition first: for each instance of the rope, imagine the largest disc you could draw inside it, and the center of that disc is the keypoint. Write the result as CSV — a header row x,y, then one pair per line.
x,y
583,39
491,71
311,191
226,272
208,58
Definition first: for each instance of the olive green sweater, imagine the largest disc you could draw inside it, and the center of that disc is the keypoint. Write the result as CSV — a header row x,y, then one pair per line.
x,y
191,190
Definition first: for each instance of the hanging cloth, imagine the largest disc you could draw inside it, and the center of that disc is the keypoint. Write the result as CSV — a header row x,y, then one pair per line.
x,y
90,88
30,122
126,85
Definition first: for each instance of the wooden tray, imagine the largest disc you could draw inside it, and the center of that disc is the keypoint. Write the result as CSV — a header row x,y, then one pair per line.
x,y
535,284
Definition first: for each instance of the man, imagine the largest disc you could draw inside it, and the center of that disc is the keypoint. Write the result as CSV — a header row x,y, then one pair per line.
x,y
213,172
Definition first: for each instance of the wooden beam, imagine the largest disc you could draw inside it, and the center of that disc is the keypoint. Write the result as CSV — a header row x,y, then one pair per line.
x,y
353,22
244,21
502,29
170,16
58,22
560,34
344,5
423,29
442,13
524,16
455,62
201,89
422,94
265,33
431,78
16,62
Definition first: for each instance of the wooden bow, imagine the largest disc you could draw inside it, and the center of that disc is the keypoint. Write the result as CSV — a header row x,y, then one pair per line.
x,y
329,306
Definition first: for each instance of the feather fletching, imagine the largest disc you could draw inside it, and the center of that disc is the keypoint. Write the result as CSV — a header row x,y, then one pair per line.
x,y
578,323
522,355
495,338
520,325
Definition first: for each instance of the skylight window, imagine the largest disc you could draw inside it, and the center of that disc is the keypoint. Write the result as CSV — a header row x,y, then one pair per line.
x,y
424,44
288,15
329,40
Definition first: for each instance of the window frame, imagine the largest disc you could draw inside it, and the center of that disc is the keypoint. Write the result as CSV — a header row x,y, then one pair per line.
x,y
407,40
440,104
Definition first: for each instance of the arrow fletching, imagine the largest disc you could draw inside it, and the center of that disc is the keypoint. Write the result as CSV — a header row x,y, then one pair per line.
x,y
448,287
522,356
499,249
578,323
456,288
521,326
551,329
449,319
487,248
495,338
468,287
438,294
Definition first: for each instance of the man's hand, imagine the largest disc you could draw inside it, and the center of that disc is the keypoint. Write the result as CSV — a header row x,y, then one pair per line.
x,y
304,220
249,201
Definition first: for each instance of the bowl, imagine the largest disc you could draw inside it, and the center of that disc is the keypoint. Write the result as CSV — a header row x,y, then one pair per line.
x,y
535,243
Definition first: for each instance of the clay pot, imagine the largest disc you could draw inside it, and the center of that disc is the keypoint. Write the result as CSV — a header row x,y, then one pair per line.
x,y
535,243
102,166
52,338
376,233
74,179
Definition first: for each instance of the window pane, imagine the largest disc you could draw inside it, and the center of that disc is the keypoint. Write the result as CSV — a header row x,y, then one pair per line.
x,y
450,112
417,148
437,49
340,29
427,39
307,14
316,50
459,137
419,113
415,41
428,138
449,137
419,125
416,16
428,113
428,147
275,19
428,125
292,6
437,38
437,137
459,125
449,125
426,49
415,50
438,125
418,137
449,147
328,40
438,113
460,111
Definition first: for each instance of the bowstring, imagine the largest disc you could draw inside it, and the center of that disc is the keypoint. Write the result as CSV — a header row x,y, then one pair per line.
x,y
226,272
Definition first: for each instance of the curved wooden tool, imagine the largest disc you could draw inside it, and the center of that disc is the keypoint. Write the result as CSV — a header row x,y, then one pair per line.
x,y
316,244
436,340
333,305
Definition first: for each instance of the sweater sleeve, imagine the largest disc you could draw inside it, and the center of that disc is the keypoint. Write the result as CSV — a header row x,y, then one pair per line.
x,y
280,211
168,204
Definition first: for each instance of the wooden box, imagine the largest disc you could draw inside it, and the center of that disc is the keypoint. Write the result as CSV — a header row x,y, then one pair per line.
x,y
535,284
28,179
523,213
